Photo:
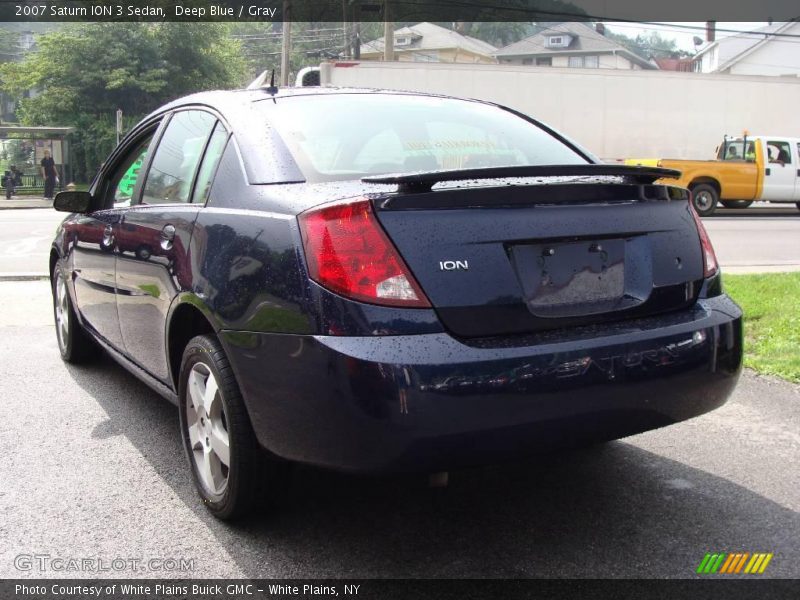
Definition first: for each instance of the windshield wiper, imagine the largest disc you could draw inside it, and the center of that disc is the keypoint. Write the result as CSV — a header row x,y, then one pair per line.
x,y
424,181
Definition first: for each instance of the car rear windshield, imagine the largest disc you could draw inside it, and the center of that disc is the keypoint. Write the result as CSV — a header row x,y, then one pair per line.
x,y
348,136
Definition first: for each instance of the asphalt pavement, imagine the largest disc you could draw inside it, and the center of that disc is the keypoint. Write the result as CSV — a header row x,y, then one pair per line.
x,y
759,239
93,467
25,239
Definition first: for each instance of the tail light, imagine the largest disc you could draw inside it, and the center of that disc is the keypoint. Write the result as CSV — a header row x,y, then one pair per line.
x,y
710,265
348,252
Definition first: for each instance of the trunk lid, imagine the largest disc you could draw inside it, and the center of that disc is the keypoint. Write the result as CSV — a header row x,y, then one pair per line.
x,y
523,258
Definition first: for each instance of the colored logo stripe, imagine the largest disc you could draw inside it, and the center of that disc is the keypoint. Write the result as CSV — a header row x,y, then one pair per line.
x,y
724,563
758,563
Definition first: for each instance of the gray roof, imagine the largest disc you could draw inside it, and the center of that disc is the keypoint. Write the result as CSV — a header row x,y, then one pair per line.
x,y
585,40
735,47
427,36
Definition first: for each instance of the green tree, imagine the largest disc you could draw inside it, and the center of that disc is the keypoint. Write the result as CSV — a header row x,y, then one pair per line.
x,y
497,33
84,72
651,44
312,42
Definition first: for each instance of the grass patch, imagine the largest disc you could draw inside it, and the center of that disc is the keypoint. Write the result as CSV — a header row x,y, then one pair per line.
x,y
771,304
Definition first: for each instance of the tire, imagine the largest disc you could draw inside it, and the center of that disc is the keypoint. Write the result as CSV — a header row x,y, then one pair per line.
x,y
736,203
704,199
251,475
75,345
797,204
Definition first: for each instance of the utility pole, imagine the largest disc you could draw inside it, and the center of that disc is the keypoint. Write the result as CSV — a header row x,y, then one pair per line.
x,y
345,32
388,34
119,124
286,43
355,31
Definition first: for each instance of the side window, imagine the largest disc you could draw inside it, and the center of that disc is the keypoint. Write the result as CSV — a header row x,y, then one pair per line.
x,y
779,152
124,179
736,150
750,152
176,158
216,146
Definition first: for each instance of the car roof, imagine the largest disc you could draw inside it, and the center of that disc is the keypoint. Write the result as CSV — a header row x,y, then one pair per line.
x,y
263,153
222,99
265,158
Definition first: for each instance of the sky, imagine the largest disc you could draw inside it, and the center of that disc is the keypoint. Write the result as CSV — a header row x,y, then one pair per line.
x,y
682,36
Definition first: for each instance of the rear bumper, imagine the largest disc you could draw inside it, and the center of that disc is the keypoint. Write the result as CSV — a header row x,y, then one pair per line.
x,y
423,402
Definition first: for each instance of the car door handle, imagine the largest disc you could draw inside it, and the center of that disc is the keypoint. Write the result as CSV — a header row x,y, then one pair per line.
x,y
108,236
167,237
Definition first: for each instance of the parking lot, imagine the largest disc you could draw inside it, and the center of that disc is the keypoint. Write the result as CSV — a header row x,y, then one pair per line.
x,y
93,467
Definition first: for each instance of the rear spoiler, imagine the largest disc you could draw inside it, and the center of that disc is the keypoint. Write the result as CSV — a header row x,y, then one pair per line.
x,y
424,181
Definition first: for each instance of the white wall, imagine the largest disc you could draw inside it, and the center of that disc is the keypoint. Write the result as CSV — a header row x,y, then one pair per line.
x,y
614,113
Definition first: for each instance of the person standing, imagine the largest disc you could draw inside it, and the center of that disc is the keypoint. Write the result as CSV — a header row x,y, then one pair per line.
x,y
49,175
17,175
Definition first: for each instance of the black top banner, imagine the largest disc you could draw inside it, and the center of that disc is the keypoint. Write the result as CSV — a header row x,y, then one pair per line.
x,y
398,10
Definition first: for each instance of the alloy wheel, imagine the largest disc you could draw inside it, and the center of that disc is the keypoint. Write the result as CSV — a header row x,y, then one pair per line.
x,y
208,429
62,310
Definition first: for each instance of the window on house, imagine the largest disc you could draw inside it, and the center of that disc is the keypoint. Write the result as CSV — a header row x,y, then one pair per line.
x,y
545,61
591,62
559,41
527,61
575,62
429,56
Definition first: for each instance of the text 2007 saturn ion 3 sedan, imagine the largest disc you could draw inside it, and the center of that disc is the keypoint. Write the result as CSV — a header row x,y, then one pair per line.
x,y
374,281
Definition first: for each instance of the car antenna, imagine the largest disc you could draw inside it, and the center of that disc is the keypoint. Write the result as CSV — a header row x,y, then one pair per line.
x,y
272,89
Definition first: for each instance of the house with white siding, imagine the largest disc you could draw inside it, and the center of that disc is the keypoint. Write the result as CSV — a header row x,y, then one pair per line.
x,y
772,50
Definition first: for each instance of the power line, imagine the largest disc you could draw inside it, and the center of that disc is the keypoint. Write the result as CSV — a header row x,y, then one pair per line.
x,y
750,35
756,32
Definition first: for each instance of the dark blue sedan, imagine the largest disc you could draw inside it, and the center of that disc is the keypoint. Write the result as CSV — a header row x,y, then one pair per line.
x,y
371,280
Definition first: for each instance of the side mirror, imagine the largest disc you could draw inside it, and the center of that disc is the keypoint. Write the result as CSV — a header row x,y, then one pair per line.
x,y
72,202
